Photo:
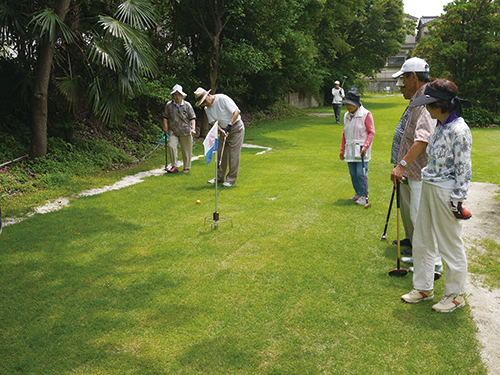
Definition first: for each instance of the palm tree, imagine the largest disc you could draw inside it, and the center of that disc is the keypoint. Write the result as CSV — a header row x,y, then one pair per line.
x,y
101,63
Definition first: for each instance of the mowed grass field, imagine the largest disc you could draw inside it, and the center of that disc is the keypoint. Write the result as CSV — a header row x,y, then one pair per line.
x,y
134,281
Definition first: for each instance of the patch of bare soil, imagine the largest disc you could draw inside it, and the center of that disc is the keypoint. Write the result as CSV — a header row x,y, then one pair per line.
x,y
483,301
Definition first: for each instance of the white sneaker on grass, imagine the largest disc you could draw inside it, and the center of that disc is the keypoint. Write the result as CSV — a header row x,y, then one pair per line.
x,y
361,200
355,198
449,303
418,295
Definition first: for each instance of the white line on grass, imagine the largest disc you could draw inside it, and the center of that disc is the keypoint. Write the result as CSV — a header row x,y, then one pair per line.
x,y
126,181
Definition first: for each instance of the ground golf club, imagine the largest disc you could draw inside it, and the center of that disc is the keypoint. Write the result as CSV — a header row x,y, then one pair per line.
x,y
384,236
398,271
367,205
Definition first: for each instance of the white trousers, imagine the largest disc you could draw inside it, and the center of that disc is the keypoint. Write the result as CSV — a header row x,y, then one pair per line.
x,y
438,229
410,202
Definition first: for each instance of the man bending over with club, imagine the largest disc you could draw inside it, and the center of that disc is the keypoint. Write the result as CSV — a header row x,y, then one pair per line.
x,y
221,108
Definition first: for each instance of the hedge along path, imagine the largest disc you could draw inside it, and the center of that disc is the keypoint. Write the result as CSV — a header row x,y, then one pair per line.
x,y
484,302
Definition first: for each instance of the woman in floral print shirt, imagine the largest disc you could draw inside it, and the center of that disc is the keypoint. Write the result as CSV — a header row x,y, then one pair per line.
x,y
445,186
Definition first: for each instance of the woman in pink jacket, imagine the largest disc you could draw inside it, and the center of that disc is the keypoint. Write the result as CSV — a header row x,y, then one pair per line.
x,y
357,138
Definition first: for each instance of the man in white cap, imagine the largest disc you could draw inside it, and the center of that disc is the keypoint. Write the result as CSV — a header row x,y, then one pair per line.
x,y
179,120
338,95
222,108
412,156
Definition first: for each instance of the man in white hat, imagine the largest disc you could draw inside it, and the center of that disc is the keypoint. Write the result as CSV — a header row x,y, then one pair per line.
x,y
338,95
179,120
222,108
412,156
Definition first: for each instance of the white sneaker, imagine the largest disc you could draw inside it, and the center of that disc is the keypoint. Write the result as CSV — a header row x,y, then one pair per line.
x,y
227,184
361,201
212,181
449,303
416,296
407,259
355,198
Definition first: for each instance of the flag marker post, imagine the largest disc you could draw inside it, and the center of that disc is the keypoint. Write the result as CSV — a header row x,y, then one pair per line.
x,y
211,145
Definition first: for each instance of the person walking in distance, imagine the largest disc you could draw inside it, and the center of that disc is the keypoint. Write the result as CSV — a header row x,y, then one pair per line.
x,y
179,120
338,95
221,108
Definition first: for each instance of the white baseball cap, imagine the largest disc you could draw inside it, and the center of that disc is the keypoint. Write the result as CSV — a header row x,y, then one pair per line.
x,y
415,64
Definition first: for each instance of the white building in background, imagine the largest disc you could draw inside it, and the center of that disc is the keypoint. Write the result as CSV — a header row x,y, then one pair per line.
x,y
383,81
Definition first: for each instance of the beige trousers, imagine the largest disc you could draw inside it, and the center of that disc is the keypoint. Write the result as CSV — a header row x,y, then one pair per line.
x,y
438,229
232,153
186,142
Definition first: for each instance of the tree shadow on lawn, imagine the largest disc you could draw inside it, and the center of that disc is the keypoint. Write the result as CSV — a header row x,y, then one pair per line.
x,y
83,290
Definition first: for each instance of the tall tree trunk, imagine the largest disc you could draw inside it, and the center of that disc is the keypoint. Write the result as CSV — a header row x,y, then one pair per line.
x,y
217,11
38,147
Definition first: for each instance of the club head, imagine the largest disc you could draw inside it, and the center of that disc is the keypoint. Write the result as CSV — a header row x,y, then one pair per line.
x,y
384,237
398,272
345,77
368,205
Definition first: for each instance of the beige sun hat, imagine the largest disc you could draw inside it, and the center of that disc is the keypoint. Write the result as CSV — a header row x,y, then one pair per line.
x,y
200,95
178,88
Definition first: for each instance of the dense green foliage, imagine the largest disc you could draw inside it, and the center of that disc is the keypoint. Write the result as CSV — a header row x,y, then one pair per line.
x,y
106,54
464,46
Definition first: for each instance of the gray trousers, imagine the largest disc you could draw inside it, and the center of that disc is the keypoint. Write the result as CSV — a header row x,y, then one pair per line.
x,y
232,153
186,143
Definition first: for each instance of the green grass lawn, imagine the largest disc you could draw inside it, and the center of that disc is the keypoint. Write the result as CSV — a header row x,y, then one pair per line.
x,y
134,281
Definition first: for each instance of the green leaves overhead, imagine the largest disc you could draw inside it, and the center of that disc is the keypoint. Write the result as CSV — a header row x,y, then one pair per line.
x,y
137,13
464,46
49,23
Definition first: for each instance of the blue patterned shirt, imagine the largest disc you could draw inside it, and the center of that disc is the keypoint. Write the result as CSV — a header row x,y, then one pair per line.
x,y
398,135
449,157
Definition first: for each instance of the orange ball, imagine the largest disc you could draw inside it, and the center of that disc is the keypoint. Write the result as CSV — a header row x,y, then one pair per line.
x,y
466,211
198,201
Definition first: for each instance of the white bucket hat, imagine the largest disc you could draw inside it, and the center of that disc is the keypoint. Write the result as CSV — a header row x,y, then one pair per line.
x,y
415,64
178,88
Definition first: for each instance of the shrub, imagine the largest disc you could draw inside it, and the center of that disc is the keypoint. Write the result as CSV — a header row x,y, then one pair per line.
x,y
480,117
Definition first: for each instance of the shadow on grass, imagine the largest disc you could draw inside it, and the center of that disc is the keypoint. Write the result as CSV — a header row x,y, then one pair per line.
x,y
71,285
344,203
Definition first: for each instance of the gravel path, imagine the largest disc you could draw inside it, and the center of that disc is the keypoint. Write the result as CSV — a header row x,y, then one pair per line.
x,y
483,301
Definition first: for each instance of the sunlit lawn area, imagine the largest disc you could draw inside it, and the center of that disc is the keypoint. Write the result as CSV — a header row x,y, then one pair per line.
x,y
134,282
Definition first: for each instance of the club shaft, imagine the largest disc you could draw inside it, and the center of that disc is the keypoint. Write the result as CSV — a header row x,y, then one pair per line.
x,y
389,212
